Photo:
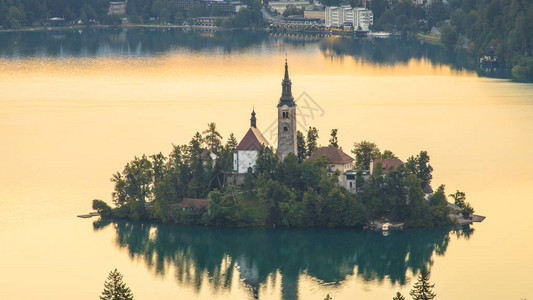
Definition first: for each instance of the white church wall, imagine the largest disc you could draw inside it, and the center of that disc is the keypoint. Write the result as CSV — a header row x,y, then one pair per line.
x,y
244,159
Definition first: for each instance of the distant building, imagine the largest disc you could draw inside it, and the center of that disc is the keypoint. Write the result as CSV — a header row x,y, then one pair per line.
x,y
219,7
246,152
337,16
364,18
299,20
208,157
315,14
386,165
117,8
336,160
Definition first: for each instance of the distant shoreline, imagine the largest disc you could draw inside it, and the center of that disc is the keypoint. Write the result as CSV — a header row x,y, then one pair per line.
x,y
81,27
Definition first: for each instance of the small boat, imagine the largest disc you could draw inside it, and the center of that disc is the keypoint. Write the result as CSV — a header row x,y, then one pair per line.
x,y
385,227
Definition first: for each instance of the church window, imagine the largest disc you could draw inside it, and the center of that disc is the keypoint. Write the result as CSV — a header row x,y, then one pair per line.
x,y
285,114
285,128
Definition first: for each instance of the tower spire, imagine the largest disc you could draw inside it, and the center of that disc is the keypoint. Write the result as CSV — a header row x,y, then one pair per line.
x,y
286,86
253,120
286,69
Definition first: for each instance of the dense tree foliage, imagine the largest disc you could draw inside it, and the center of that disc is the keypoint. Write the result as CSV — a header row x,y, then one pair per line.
x,y
500,28
333,141
398,196
15,13
312,140
364,152
294,192
460,200
420,166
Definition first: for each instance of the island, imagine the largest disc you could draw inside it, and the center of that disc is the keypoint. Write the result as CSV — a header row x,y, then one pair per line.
x,y
296,184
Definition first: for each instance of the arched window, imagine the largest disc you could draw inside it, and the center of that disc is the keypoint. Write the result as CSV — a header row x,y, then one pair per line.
x,y
285,128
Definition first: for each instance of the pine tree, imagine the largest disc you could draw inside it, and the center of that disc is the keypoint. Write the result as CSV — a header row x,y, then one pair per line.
x,y
232,142
398,296
333,141
312,140
212,138
422,289
115,289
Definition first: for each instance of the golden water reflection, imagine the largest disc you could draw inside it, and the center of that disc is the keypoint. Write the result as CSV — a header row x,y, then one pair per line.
x,y
66,125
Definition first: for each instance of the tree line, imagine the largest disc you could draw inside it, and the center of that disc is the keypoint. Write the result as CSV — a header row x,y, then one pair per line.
x,y
16,13
294,192
500,28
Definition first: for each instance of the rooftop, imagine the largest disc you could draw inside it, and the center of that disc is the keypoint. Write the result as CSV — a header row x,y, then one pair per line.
x,y
252,140
387,164
333,155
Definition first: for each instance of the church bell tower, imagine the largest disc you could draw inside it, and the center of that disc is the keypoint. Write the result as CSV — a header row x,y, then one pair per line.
x,y
286,118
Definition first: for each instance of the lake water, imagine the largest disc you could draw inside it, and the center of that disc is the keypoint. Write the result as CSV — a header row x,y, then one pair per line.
x,y
76,106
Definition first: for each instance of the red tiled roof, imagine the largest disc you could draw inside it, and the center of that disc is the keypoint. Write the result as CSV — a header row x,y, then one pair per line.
x,y
387,164
333,155
252,140
194,202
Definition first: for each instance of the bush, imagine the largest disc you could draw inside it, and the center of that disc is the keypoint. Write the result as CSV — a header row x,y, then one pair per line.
x,y
102,208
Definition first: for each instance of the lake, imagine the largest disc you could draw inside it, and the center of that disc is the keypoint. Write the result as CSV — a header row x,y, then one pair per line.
x,y
76,106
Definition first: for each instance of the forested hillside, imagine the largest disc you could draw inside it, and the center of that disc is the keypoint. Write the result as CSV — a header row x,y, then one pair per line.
x,y
483,27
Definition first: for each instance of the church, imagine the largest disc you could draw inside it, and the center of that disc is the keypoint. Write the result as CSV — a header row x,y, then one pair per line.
x,y
245,154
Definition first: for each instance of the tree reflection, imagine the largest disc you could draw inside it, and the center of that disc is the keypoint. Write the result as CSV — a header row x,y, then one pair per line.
x,y
119,42
379,51
259,254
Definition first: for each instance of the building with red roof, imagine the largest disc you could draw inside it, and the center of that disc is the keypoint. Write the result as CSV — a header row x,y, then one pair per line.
x,y
245,154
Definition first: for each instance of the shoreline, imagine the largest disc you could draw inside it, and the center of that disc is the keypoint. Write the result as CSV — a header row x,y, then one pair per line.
x,y
82,27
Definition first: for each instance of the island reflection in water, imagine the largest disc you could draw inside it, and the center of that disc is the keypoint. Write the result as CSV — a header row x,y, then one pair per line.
x,y
329,255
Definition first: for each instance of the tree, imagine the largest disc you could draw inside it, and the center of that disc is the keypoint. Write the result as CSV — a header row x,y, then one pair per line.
x,y
328,297
333,141
232,142
312,140
420,166
115,289
266,161
212,138
459,198
388,154
102,208
398,296
301,146
422,289
448,36
365,152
